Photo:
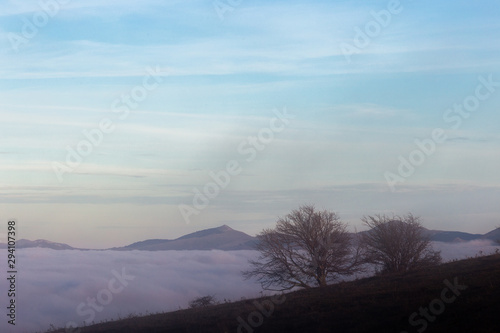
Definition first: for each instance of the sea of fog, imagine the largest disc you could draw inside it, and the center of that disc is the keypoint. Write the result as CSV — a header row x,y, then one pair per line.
x,y
63,288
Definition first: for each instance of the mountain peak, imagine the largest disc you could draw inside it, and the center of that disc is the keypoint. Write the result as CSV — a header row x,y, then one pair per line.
x,y
206,232
225,227
219,238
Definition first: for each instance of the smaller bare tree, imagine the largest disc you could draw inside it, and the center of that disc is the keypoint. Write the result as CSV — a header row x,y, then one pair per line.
x,y
203,301
397,244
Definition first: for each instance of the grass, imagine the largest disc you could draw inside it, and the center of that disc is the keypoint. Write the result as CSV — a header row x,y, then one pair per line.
x,y
380,304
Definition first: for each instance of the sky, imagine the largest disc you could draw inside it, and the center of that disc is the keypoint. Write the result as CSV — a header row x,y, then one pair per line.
x,y
73,288
129,120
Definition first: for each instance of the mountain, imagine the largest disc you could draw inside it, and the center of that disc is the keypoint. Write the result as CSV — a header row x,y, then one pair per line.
x,y
42,243
451,236
221,238
493,235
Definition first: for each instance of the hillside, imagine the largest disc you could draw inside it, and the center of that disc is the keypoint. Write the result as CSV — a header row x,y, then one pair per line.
x,y
376,304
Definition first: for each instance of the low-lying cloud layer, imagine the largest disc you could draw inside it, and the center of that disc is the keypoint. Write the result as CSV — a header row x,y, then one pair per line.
x,y
463,250
59,287
53,285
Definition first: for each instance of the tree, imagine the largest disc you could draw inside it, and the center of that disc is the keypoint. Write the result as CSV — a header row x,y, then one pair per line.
x,y
307,248
397,244
203,301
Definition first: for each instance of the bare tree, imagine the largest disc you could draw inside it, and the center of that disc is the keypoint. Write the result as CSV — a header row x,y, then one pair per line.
x,y
307,248
397,244
203,301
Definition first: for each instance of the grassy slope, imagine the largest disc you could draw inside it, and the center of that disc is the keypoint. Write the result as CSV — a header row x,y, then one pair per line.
x,y
377,304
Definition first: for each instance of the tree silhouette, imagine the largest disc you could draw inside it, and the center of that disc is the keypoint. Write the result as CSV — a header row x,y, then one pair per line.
x,y
397,244
306,248
203,301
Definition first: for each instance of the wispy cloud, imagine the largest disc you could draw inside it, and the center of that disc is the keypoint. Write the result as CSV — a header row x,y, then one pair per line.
x,y
222,79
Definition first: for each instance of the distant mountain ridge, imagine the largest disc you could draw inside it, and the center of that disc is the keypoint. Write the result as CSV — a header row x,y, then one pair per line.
x,y
221,238
451,236
227,239
493,234
42,243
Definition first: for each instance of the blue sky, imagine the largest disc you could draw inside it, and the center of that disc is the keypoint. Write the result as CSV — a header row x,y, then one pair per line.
x,y
219,79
